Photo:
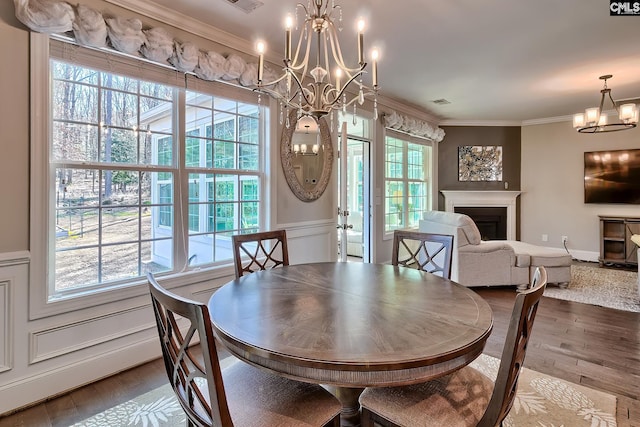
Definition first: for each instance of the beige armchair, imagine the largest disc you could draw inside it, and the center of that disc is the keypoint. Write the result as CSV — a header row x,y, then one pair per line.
x,y
497,262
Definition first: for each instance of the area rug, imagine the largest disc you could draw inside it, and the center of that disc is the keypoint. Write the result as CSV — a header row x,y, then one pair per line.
x,y
545,401
541,401
606,287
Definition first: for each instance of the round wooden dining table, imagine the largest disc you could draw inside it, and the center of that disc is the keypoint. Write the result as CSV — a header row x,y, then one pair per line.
x,y
351,325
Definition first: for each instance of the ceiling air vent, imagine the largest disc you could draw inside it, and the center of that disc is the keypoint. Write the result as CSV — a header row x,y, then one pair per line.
x,y
441,101
246,6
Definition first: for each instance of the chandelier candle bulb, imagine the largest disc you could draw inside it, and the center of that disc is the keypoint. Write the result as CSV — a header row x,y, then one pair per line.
x,y
627,112
374,68
361,41
592,116
287,38
260,48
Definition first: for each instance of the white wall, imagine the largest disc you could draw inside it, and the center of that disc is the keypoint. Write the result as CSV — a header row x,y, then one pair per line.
x,y
552,200
14,132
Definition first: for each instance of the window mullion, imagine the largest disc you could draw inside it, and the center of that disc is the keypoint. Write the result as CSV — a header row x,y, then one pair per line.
x,y
405,183
181,184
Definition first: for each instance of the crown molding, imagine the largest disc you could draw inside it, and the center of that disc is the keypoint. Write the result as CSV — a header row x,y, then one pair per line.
x,y
547,120
409,109
184,22
480,123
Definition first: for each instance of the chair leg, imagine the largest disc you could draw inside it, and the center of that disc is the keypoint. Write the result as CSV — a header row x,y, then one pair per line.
x,y
366,418
371,419
335,422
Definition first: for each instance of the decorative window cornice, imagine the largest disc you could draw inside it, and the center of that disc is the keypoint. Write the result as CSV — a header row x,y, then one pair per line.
x,y
88,27
411,126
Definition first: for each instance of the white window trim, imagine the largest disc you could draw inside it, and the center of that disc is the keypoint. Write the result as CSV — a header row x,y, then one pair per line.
x,y
433,200
41,235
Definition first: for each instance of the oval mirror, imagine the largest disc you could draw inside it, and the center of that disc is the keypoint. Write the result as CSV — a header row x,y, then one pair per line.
x,y
306,154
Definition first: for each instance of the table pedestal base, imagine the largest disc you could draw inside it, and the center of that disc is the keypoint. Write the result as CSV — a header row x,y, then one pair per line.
x,y
350,414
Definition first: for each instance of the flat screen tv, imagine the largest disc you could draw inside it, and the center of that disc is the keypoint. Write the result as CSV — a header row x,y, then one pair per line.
x,y
612,176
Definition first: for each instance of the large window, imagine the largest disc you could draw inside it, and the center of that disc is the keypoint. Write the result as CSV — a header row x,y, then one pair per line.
x,y
129,192
407,182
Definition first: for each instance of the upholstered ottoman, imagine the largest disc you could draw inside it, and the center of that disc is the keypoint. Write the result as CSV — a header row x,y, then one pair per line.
x,y
556,261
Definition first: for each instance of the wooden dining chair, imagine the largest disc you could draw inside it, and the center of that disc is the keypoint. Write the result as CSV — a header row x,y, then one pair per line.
x,y
265,250
425,251
239,395
465,397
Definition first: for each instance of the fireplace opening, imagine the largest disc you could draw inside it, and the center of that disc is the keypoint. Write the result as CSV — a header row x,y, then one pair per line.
x,y
491,221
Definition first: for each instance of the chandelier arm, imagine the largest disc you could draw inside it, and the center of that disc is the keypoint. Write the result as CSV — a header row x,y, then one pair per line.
x,y
273,93
306,12
294,65
326,90
300,88
614,104
278,95
275,82
601,103
337,51
326,63
351,79
335,6
326,6
355,98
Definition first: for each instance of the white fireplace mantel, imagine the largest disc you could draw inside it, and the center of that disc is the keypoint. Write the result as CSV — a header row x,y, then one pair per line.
x,y
461,198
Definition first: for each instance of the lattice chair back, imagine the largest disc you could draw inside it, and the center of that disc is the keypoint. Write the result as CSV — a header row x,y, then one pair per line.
x,y
464,397
264,250
425,251
196,382
515,348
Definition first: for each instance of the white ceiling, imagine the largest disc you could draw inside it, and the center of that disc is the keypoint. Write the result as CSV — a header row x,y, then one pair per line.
x,y
496,61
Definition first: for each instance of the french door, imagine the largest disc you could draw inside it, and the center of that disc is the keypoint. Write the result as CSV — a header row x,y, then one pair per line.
x,y
354,230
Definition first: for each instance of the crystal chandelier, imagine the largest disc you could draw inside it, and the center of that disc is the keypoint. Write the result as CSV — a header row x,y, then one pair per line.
x,y
318,86
593,120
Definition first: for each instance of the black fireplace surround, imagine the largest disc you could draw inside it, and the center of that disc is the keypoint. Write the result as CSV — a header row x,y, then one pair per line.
x,y
491,221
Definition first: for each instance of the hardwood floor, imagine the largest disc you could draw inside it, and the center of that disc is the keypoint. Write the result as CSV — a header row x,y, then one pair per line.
x,y
594,346
589,345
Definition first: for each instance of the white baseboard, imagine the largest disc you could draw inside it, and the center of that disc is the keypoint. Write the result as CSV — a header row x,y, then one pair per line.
x,y
34,389
584,255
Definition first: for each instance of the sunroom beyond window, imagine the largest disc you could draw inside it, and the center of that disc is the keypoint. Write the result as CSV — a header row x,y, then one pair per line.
x,y
407,183
117,205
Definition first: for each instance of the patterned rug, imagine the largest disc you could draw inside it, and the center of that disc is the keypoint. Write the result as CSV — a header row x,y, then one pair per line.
x,y
541,401
606,287
544,401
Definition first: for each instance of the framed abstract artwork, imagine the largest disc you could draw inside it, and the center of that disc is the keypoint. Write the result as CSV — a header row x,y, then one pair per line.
x,y
480,163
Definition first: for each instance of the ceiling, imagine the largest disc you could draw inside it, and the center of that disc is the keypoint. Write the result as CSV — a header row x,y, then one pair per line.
x,y
495,61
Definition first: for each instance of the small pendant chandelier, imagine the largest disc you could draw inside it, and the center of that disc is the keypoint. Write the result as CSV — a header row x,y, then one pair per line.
x,y
593,120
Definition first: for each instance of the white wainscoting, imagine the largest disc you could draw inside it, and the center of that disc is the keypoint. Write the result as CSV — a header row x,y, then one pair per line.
x,y
44,357
6,316
313,241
